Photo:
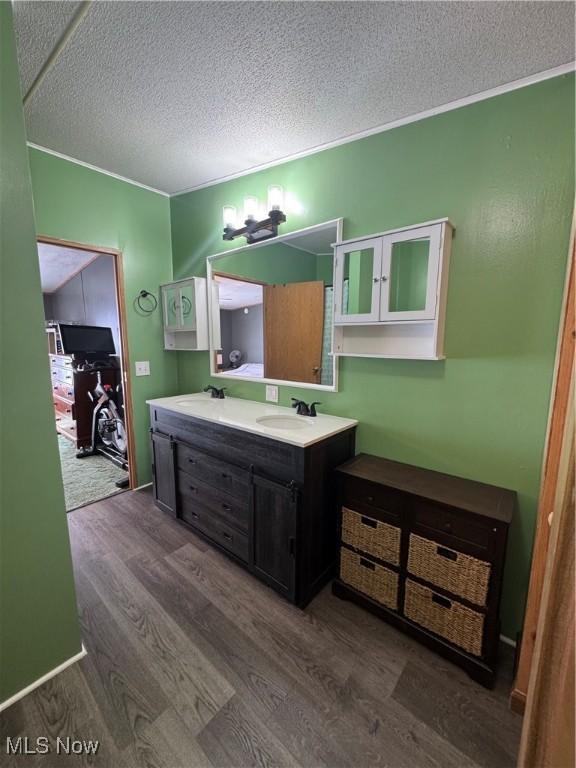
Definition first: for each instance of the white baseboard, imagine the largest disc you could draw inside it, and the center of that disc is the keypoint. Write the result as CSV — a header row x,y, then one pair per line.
x,y
507,641
141,487
41,680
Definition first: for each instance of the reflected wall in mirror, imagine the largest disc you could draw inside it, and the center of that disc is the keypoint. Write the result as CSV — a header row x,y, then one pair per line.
x,y
271,309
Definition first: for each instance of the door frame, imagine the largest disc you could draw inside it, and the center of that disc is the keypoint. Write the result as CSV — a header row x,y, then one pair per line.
x,y
123,323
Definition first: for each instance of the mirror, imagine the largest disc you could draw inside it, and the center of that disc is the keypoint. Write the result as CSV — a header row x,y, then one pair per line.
x,y
357,281
409,275
271,309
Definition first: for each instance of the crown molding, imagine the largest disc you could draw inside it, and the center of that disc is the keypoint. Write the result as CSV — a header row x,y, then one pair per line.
x,y
95,168
538,77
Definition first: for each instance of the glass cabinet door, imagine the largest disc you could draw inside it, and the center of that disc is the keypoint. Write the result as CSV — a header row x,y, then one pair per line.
x,y
187,306
171,304
357,281
409,274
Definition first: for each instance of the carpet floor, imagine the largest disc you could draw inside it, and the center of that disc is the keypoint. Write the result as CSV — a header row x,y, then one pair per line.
x,y
88,479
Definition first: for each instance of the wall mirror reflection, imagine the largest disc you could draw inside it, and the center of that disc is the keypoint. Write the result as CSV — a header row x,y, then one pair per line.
x,y
271,309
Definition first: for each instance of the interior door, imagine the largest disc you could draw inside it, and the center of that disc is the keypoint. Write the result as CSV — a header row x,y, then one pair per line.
x,y
409,280
357,282
293,331
273,539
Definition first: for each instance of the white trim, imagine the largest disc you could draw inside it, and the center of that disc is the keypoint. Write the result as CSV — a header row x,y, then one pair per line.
x,y
95,168
41,680
538,77
141,487
507,641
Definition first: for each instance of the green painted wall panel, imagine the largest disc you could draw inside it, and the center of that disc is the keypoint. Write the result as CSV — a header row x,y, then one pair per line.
x,y
503,171
38,623
75,203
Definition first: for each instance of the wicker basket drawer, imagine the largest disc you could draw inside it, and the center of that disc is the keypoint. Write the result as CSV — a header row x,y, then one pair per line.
x,y
369,578
447,618
371,536
454,571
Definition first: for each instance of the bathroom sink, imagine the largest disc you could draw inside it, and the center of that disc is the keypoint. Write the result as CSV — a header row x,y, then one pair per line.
x,y
282,422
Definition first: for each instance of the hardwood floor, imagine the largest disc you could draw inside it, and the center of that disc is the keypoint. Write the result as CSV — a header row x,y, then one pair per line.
x,y
192,662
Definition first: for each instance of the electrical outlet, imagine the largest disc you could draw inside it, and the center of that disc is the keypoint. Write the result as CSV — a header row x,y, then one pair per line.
x,y
143,368
271,393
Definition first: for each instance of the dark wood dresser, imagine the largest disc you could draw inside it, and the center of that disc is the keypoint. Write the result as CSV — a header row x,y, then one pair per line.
x,y
72,406
425,551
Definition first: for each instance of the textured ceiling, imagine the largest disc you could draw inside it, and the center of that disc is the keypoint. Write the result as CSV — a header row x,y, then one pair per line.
x,y
58,264
177,94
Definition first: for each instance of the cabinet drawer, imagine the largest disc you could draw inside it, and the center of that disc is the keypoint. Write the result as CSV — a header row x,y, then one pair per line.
x,y
216,472
371,536
63,407
233,511
61,375
358,493
448,618
63,390
205,521
454,571
459,525
368,577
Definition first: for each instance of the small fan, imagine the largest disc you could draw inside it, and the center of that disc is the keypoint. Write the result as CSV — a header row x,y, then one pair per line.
x,y
235,356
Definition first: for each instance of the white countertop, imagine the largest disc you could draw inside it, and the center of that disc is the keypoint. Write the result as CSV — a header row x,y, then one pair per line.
x,y
247,415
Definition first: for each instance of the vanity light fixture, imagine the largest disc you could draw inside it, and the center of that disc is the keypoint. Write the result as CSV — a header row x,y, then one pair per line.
x,y
253,230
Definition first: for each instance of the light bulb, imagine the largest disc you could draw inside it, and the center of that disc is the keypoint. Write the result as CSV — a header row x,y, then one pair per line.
x,y
275,197
229,216
250,207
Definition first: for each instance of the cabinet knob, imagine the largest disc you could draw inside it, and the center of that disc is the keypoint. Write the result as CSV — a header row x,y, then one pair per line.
x,y
227,536
193,488
383,278
447,526
225,476
227,507
370,499
191,461
375,279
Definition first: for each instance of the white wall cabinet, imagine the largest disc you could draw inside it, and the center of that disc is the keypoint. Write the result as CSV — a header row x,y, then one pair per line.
x,y
185,314
390,293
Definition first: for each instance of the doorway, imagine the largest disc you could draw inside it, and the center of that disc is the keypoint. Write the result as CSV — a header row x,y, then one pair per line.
x,y
85,326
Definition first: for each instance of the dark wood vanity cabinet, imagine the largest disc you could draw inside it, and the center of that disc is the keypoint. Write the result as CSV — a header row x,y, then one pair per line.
x,y
268,504
425,551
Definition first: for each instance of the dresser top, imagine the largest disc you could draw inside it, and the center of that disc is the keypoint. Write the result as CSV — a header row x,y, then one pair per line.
x,y
478,498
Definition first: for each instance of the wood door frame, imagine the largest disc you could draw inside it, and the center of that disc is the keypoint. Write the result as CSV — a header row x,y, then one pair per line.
x,y
123,323
559,399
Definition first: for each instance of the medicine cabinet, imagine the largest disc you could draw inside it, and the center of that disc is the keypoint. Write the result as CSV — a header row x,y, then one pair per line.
x,y
185,314
390,292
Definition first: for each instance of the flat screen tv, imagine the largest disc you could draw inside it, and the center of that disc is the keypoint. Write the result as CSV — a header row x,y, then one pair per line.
x,y
86,340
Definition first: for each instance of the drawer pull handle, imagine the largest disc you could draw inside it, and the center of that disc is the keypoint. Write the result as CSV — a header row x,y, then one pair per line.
x,y
227,507
368,521
443,601
367,564
447,553
447,526
227,536
370,499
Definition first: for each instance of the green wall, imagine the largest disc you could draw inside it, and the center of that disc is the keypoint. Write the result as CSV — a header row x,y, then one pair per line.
x,y
75,203
503,171
38,624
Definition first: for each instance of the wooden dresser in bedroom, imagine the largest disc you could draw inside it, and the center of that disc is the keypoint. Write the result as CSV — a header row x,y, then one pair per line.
x,y
70,393
425,551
